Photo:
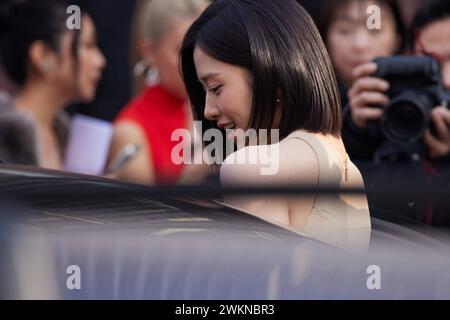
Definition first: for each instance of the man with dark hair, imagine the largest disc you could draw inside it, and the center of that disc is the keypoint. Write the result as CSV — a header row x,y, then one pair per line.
x,y
421,163
430,33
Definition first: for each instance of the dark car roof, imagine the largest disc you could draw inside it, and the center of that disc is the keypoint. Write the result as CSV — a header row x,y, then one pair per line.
x,y
137,242
70,201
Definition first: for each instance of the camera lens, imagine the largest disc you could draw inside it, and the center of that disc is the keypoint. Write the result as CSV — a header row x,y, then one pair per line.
x,y
405,120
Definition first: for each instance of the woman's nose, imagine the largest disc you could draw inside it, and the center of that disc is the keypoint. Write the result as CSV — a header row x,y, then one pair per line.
x,y
361,41
101,60
212,111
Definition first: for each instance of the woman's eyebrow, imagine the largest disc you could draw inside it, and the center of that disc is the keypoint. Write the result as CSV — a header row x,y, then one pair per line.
x,y
208,76
344,17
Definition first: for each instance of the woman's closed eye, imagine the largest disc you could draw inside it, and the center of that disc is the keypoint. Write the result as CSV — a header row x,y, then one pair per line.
x,y
344,30
215,90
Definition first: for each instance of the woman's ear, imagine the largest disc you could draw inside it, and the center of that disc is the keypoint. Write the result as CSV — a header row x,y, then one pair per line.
x,y
147,50
278,109
279,98
42,58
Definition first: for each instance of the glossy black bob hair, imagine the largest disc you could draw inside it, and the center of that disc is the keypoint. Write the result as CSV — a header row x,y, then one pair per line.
x,y
278,43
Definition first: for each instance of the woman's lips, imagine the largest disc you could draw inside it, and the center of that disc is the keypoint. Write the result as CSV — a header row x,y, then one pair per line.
x,y
227,125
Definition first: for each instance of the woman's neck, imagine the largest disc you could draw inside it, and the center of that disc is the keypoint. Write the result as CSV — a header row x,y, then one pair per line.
x,y
42,101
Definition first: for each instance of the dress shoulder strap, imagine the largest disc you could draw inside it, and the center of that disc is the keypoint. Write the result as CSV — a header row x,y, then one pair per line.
x,y
329,170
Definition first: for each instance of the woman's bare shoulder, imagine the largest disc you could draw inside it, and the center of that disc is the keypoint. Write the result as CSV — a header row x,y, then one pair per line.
x,y
291,161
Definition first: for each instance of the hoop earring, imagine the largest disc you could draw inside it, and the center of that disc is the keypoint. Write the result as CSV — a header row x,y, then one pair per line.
x,y
152,78
140,68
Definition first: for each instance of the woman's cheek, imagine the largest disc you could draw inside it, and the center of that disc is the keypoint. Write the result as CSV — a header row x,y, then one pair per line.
x,y
229,105
338,48
340,60
86,88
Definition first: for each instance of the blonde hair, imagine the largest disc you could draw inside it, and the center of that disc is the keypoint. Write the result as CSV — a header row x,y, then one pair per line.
x,y
159,15
153,18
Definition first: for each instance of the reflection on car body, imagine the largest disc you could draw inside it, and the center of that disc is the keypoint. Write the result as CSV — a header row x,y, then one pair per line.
x,y
136,242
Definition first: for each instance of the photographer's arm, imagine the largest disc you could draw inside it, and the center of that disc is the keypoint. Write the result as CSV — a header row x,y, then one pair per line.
x,y
140,168
358,142
365,93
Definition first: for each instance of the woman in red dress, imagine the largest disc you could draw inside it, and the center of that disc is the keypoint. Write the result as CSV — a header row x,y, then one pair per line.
x,y
150,119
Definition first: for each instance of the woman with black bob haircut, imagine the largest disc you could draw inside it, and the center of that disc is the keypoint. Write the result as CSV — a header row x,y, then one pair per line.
x,y
261,64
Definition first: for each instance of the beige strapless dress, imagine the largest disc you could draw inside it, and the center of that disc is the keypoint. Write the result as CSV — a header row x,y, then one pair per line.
x,y
340,219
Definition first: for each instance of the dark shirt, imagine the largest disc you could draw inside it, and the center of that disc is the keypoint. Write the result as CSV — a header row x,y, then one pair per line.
x,y
385,164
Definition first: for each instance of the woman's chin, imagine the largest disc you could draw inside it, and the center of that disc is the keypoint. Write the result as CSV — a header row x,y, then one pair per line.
x,y
87,97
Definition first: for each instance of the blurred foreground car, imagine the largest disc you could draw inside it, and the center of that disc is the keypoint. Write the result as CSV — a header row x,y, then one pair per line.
x,y
126,241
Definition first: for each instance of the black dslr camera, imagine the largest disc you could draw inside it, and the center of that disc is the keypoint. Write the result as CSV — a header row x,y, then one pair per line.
x,y
415,89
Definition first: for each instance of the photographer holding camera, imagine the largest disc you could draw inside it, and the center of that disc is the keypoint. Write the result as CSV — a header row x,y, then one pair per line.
x,y
397,136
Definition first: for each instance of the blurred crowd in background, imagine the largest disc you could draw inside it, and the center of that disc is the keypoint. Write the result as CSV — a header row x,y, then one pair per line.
x,y
122,68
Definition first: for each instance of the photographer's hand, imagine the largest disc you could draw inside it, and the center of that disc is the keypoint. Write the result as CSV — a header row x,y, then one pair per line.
x,y
365,93
439,146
